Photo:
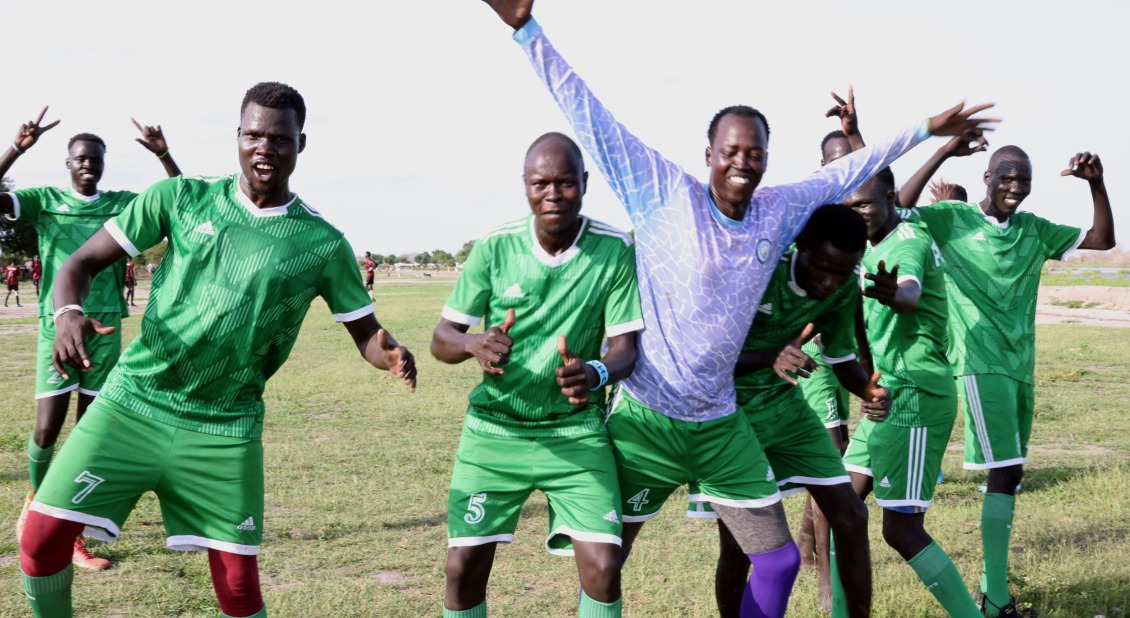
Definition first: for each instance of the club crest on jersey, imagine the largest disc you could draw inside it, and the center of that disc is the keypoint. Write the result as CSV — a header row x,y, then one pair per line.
x,y
763,250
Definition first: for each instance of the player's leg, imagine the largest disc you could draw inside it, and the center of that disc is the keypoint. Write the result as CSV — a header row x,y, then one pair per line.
x,y
847,521
730,574
489,484
235,578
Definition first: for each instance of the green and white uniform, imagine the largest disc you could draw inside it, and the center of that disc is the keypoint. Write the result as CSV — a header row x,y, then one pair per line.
x,y
225,310
521,433
64,220
993,278
904,453
826,397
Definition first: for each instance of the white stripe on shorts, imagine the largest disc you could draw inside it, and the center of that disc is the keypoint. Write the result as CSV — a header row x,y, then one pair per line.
x,y
190,542
98,527
471,541
977,413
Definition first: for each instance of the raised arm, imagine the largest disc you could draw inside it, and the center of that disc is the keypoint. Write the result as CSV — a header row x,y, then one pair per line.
x,y
961,146
154,141
849,121
1088,167
381,350
72,284
26,137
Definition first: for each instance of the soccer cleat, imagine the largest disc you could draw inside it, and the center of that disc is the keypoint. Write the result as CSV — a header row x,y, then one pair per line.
x,y
1009,610
22,519
84,559
941,477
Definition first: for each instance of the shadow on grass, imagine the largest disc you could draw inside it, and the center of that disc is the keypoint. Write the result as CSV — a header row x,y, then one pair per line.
x,y
1106,596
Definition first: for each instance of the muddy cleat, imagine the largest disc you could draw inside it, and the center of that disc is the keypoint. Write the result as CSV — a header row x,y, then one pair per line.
x,y
82,557
23,515
1009,610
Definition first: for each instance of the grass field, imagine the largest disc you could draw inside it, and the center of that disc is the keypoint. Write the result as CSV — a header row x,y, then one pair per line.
x,y
357,473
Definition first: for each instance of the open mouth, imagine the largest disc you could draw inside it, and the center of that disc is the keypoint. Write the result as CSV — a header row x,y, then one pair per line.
x,y
739,181
263,171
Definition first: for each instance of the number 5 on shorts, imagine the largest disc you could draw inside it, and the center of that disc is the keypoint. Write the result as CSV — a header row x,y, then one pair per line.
x,y
91,482
475,511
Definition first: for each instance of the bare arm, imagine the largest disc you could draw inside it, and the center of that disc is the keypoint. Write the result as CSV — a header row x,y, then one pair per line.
x,y
577,378
451,344
960,146
849,121
72,284
26,137
876,399
900,297
1088,167
381,350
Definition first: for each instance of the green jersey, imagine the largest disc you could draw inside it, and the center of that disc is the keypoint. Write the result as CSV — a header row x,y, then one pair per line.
x,y
227,302
64,220
784,311
993,276
584,293
909,349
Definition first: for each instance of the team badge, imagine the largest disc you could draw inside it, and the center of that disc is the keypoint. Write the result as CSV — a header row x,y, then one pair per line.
x,y
763,250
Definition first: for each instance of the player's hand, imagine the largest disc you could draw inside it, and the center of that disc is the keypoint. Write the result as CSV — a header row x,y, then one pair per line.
x,y
398,359
792,360
152,138
876,400
941,191
30,131
967,143
71,331
1084,165
845,111
514,13
492,348
575,377
958,120
886,284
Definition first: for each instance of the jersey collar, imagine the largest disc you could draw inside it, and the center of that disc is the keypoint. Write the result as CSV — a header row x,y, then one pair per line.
x,y
991,219
721,218
544,257
85,198
274,211
793,285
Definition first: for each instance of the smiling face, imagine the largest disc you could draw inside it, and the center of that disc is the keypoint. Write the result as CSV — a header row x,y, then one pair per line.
x,y
875,202
821,268
1009,182
86,160
269,142
737,159
555,184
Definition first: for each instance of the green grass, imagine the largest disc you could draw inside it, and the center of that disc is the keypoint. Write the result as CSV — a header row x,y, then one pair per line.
x,y
1074,303
1084,278
357,473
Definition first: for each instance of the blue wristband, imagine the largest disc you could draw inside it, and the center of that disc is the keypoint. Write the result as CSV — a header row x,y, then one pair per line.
x,y
601,372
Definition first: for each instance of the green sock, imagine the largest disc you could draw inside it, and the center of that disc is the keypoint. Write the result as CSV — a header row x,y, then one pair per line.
x,y
996,528
259,614
50,596
478,611
38,460
596,609
937,571
839,605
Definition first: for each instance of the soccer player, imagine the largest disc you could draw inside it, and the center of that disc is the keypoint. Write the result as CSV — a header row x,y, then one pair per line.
x,y
370,270
814,284
552,284
905,319
182,413
995,254
12,279
705,253
64,219
36,273
131,282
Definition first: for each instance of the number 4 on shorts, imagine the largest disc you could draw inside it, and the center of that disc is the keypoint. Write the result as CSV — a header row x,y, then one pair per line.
x,y
475,510
91,482
639,500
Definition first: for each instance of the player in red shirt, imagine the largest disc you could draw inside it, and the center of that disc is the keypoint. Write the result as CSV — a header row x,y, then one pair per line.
x,y
36,273
370,271
12,278
131,282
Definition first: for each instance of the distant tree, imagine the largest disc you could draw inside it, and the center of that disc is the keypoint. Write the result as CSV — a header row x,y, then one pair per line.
x,y
17,238
443,258
423,257
391,259
461,255
152,255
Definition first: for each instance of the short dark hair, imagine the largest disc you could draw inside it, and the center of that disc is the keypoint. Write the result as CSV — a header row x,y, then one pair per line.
x,y
837,134
86,137
570,145
742,111
1007,153
276,95
886,178
838,225
959,193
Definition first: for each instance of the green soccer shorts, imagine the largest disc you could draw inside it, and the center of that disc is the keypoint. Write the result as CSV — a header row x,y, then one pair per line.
x,y
998,420
655,454
830,402
494,475
210,487
103,350
902,461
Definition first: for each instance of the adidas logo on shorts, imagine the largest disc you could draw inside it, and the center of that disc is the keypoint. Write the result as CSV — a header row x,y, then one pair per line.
x,y
55,378
611,516
248,524
885,482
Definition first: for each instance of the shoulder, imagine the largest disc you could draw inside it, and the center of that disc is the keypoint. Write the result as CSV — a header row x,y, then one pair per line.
x,y
509,229
609,233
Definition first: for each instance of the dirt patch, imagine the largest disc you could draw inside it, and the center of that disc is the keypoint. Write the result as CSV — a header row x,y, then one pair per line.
x,y
390,578
1089,305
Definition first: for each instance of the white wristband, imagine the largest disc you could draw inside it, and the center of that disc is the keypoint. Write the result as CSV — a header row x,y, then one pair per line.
x,y
64,309
601,372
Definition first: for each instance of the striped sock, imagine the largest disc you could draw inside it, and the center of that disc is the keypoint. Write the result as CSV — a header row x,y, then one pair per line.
x,y
595,609
49,596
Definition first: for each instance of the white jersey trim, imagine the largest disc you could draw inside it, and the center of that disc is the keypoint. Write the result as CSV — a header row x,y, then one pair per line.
x,y
1074,247
910,278
995,464
274,211
793,285
896,503
859,470
577,535
812,480
544,257
626,327
459,317
87,391
604,229
791,491
121,238
354,315
188,542
61,391
635,519
472,541
98,527
15,208
834,424
838,360
754,503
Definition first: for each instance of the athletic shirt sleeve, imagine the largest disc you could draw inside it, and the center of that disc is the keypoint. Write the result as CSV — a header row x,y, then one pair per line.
x,y
1057,240
837,329
468,301
938,218
639,176
909,253
147,220
622,313
28,203
341,286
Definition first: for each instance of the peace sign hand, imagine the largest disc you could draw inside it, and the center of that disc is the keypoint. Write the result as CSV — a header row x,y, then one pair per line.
x,y
845,111
29,132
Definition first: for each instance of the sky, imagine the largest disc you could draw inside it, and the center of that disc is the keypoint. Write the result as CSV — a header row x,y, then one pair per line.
x,y
420,112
